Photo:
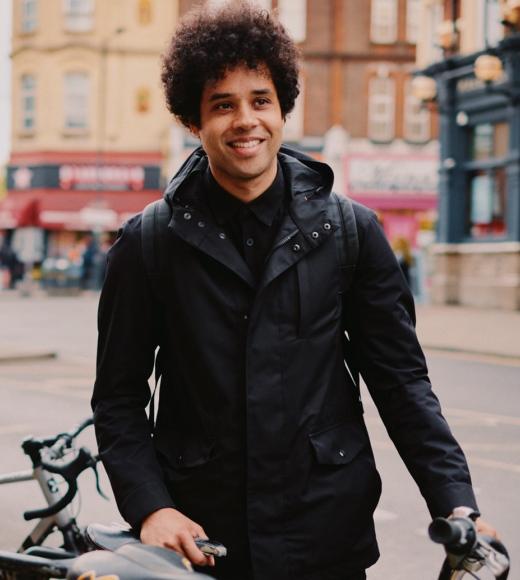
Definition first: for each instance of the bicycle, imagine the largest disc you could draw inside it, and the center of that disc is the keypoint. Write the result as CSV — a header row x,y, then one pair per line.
x,y
83,548
467,552
115,552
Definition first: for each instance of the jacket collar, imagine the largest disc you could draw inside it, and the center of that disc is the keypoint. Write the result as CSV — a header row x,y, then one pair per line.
x,y
305,227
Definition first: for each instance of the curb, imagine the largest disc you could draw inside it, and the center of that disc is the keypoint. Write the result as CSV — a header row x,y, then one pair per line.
x,y
504,358
9,357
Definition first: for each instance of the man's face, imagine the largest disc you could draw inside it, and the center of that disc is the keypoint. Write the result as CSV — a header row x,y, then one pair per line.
x,y
241,128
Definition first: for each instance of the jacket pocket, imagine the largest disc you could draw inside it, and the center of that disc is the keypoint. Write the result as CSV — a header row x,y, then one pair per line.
x,y
191,454
339,444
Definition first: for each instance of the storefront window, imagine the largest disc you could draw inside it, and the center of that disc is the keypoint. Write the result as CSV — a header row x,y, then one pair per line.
x,y
487,180
489,141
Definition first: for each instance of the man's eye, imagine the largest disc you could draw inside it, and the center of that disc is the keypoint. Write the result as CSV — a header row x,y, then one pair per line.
x,y
223,106
262,101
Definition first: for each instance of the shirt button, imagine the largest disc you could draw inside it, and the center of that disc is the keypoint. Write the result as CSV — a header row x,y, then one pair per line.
x,y
222,235
296,247
326,226
187,216
246,317
202,224
315,235
250,242
180,459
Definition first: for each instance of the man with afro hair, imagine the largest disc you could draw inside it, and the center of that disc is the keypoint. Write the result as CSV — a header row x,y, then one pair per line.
x,y
259,440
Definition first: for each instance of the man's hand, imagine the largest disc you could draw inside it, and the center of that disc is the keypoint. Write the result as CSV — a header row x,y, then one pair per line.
x,y
168,528
486,529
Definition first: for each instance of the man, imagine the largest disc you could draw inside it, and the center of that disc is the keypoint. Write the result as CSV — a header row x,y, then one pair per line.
x,y
259,440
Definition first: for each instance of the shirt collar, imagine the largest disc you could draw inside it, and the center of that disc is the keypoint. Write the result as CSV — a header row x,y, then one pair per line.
x,y
225,206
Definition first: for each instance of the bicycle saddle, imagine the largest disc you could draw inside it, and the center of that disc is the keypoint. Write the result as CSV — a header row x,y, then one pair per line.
x,y
133,561
110,537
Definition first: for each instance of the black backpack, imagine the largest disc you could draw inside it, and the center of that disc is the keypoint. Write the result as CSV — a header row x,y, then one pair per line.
x,y
155,244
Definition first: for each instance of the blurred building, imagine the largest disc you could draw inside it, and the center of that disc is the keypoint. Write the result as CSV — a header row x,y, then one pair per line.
x,y
89,130
469,53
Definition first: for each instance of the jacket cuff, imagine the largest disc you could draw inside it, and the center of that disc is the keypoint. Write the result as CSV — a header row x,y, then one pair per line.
x,y
442,501
143,501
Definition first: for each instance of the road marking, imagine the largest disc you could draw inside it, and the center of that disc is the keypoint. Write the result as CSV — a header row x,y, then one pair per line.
x,y
482,462
491,359
484,418
381,515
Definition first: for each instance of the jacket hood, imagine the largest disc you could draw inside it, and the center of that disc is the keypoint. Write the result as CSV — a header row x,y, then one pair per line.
x,y
303,174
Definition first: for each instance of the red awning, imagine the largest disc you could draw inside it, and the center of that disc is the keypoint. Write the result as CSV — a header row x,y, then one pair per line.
x,y
396,201
19,210
74,211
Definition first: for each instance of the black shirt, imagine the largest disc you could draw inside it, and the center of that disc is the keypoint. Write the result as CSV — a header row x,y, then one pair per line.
x,y
252,226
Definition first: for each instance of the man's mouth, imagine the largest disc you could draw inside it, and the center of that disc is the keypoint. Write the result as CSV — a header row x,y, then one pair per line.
x,y
245,144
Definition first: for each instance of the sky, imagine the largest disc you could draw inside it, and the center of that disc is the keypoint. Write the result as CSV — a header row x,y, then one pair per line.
x,y
5,79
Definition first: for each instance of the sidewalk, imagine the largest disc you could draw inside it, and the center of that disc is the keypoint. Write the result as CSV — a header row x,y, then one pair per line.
x,y
445,328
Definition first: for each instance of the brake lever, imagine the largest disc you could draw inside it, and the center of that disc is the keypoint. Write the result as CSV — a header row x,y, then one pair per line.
x,y
96,475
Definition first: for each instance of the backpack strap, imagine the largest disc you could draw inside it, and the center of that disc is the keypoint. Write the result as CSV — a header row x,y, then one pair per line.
x,y
347,242
347,245
154,231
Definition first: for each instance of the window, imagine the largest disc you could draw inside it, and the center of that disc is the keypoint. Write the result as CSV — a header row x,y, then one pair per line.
x,y
417,119
381,109
79,15
76,100
293,15
489,30
383,21
430,51
28,102
29,15
487,180
413,17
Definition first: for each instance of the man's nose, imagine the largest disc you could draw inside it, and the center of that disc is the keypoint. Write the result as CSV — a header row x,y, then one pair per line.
x,y
245,118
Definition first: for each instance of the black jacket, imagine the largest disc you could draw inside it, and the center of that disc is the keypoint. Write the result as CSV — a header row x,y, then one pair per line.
x,y
259,436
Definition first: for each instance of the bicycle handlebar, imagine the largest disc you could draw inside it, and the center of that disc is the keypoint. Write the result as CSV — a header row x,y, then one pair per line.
x,y
466,549
70,473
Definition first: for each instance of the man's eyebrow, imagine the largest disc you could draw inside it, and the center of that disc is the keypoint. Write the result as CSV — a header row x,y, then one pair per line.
x,y
219,96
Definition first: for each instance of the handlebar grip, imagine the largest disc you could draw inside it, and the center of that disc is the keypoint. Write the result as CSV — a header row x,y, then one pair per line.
x,y
458,535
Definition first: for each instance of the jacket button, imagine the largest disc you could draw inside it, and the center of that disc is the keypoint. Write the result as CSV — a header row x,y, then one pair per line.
x,y
187,216
342,453
315,235
250,242
296,248
222,235
326,226
202,224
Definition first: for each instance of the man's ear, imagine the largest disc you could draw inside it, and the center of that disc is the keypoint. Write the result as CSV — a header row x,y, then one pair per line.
x,y
194,130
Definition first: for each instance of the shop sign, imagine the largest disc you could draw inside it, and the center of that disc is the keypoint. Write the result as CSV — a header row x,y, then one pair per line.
x,y
83,177
102,177
379,174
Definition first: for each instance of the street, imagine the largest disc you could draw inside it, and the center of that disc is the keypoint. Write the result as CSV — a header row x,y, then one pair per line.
x,y
481,400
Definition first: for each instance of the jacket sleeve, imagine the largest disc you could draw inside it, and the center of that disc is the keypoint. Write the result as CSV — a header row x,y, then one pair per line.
x,y
125,357
380,318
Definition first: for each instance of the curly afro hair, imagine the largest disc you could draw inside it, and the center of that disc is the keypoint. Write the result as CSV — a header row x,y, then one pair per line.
x,y
209,42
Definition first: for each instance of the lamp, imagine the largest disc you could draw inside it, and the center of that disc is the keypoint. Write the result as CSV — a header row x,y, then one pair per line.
x,y
488,68
511,13
424,88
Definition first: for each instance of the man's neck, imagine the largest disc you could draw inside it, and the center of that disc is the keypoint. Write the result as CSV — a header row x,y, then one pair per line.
x,y
248,189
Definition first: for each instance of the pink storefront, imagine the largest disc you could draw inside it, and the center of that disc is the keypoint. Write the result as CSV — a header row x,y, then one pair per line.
x,y
401,188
